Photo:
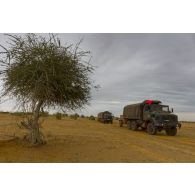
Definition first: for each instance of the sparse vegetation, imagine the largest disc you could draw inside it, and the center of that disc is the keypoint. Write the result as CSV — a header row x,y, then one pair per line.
x,y
44,114
2,112
74,116
21,113
65,115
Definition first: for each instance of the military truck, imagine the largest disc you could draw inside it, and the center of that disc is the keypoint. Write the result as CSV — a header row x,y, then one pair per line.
x,y
105,117
92,118
151,116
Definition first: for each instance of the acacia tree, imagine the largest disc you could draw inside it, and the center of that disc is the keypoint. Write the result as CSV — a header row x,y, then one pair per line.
x,y
41,73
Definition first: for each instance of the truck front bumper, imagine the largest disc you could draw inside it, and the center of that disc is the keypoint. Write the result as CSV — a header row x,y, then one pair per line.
x,y
165,126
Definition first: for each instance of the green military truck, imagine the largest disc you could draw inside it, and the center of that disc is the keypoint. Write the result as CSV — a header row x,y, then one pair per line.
x,y
105,117
151,116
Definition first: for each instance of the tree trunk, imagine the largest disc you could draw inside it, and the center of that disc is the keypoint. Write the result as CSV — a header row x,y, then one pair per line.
x,y
36,137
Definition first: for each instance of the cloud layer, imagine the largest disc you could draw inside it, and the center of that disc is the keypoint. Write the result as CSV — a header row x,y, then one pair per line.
x,y
134,67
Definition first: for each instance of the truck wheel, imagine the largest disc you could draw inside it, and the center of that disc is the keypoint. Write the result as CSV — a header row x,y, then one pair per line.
x,y
129,124
172,131
151,129
134,125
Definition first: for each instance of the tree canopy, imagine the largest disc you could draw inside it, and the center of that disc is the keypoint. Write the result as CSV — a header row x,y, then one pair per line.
x,y
40,72
37,68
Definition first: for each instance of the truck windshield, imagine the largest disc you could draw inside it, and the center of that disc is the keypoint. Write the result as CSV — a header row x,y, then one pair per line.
x,y
159,108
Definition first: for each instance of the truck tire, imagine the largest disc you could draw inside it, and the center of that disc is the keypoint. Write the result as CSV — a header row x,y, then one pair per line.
x,y
172,131
134,126
129,124
151,129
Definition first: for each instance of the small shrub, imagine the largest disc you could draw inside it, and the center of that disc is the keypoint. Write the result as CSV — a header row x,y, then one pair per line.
x,y
58,116
77,115
74,117
2,112
21,113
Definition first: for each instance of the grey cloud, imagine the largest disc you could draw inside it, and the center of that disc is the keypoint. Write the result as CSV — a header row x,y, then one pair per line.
x,y
134,67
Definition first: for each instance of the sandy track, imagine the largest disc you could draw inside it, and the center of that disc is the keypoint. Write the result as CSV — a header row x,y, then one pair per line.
x,y
83,140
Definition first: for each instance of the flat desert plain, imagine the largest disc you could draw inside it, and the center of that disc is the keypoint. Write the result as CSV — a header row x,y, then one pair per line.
x,y
87,141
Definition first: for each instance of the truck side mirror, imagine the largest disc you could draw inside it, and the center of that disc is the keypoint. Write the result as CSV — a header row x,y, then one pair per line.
x,y
171,109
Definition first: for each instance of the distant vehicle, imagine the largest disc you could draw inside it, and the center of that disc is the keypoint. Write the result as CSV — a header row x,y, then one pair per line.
x,y
105,117
151,116
92,118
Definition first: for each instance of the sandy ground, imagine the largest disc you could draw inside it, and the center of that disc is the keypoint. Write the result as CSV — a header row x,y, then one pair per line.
x,y
82,140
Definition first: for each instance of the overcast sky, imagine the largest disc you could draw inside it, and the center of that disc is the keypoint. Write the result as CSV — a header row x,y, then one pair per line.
x,y
135,67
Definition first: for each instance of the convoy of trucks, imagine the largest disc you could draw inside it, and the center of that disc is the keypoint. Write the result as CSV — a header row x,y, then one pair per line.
x,y
149,115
